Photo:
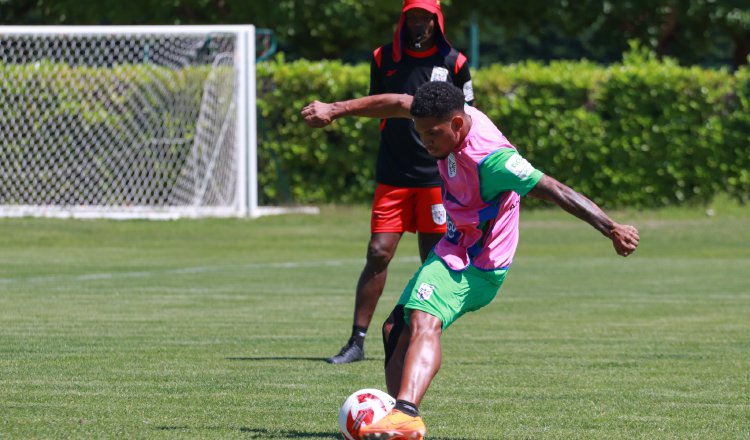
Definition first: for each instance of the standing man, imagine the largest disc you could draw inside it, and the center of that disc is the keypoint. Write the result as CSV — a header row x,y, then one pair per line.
x,y
408,195
484,178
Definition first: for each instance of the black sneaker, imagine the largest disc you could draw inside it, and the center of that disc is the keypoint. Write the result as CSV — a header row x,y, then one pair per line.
x,y
349,353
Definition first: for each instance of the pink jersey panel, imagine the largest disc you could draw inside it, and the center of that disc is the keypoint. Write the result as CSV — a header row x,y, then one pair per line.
x,y
464,241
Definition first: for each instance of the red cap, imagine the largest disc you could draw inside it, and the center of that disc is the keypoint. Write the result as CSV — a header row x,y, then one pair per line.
x,y
432,6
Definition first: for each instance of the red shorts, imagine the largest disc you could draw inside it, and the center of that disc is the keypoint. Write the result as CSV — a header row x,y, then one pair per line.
x,y
396,209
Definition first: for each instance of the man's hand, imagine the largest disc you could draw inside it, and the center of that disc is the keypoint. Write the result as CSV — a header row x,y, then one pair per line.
x,y
318,114
625,239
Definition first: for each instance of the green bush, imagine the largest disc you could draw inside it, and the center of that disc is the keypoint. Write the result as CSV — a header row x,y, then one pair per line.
x,y
301,165
642,133
545,112
734,156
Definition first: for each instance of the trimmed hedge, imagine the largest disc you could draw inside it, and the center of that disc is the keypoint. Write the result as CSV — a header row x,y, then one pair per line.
x,y
301,165
643,133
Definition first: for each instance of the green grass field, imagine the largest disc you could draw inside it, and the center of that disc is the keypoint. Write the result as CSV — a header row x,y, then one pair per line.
x,y
218,329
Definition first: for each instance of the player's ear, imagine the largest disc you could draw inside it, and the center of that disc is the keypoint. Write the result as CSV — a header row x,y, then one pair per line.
x,y
457,122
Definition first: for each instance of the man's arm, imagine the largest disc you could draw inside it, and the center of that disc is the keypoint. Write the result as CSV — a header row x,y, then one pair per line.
x,y
624,237
390,105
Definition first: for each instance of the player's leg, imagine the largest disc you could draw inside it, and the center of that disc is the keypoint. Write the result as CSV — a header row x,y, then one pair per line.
x,y
395,343
380,251
427,241
371,282
433,299
414,362
408,369
390,218
423,356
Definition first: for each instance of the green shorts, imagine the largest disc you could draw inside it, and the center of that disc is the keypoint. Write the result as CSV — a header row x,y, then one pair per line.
x,y
447,294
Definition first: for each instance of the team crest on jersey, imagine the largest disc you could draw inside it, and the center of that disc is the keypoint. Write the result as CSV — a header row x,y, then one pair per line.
x,y
439,74
451,165
438,214
450,229
425,291
468,91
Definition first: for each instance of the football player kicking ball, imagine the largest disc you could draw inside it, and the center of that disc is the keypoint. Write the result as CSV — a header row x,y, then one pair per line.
x,y
484,178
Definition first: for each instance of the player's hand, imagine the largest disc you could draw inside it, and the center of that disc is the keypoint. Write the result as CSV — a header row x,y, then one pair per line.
x,y
318,114
625,238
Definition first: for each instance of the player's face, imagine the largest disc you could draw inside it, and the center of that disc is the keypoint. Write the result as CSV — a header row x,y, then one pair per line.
x,y
421,25
439,137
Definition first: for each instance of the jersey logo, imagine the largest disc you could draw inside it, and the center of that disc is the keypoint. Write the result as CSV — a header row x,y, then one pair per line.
x,y
451,165
451,232
438,214
519,166
439,74
468,91
425,291
391,72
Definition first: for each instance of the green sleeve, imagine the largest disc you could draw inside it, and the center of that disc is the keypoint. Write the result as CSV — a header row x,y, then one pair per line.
x,y
506,170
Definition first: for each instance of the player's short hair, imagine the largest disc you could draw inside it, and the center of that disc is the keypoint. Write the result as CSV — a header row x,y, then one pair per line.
x,y
437,99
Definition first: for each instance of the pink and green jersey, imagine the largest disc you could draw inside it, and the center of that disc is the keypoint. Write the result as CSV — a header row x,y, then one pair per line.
x,y
484,179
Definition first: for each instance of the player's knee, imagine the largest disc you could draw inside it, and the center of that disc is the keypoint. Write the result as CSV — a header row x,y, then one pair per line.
x,y
395,319
379,255
387,328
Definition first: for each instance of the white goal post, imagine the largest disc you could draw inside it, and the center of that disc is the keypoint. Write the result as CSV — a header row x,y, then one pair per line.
x,y
128,122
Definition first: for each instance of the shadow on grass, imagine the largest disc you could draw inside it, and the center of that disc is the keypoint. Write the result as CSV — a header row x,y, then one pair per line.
x,y
450,438
289,358
265,433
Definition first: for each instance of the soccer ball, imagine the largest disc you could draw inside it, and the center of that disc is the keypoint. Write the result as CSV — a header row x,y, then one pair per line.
x,y
363,408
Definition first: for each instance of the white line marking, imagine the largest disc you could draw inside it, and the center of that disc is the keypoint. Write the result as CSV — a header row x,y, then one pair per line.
x,y
191,270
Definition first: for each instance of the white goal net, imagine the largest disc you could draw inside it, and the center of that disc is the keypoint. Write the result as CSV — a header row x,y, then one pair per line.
x,y
127,122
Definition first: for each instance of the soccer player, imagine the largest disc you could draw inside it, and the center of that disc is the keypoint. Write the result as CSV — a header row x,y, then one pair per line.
x,y
484,179
407,196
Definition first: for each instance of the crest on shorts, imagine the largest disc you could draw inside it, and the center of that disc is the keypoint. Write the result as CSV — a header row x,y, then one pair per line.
x,y
451,165
425,291
438,214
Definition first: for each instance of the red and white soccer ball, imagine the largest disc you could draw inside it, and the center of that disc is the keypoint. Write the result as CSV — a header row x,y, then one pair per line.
x,y
363,408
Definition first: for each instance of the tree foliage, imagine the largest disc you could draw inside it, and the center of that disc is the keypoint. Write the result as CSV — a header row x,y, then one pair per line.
x,y
692,31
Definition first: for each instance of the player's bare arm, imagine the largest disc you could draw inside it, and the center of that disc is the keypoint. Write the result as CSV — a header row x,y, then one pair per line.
x,y
389,105
624,237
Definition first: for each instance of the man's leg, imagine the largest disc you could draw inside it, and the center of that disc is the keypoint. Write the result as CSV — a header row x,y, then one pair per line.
x,y
380,251
427,241
420,361
395,343
423,356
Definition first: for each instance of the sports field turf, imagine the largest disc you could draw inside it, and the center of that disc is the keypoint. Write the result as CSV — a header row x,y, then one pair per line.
x,y
218,329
